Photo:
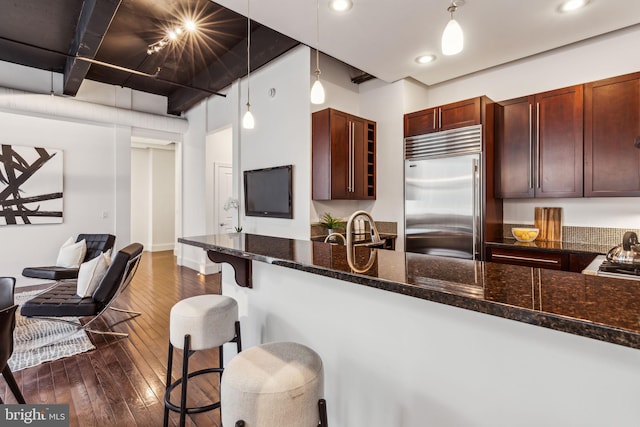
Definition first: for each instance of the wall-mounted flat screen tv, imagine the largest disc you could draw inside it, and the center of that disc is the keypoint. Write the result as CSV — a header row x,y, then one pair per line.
x,y
268,192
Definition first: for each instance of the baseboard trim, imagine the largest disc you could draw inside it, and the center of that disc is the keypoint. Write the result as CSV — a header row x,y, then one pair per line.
x,y
208,268
163,247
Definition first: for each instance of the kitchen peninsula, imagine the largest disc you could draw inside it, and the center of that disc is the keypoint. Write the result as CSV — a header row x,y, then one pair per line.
x,y
422,340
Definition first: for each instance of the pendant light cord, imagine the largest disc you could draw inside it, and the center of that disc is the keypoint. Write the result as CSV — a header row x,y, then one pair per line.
x,y
318,38
248,47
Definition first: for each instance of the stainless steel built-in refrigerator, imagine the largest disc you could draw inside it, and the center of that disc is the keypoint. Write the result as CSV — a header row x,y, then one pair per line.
x,y
443,193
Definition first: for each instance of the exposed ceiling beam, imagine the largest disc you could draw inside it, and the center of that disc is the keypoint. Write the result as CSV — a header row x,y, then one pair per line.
x,y
93,23
266,44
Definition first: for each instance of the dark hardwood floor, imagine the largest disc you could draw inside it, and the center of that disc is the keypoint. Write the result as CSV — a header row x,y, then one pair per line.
x,y
121,382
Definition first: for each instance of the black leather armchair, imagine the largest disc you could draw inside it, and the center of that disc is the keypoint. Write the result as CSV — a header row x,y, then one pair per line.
x,y
61,300
96,244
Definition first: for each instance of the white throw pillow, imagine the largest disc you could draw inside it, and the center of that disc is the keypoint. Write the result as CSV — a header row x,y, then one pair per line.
x,y
71,253
90,275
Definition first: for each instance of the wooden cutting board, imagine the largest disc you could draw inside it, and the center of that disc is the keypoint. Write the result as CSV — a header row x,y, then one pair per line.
x,y
549,221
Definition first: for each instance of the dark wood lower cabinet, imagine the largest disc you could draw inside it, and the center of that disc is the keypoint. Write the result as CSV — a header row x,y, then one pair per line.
x,y
529,258
553,260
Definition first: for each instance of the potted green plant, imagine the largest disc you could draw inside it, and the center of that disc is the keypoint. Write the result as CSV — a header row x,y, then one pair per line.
x,y
331,223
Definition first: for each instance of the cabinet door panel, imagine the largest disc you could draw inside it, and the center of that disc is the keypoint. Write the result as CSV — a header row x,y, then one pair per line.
x,y
514,146
420,122
559,143
459,114
612,123
339,155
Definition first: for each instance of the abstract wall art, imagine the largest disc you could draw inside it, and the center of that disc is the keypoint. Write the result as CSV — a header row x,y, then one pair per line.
x,y
30,185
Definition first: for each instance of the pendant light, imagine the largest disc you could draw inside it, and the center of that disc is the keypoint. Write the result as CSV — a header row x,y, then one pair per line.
x,y
317,90
247,121
452,37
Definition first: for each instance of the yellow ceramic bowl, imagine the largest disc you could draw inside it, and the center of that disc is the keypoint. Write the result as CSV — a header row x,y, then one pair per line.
x,y
525,234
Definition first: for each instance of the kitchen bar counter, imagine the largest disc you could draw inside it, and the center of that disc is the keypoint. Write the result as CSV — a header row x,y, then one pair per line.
x,y
601,308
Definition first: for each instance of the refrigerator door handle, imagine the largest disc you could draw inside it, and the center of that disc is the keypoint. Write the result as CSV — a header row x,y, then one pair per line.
x,y
476,214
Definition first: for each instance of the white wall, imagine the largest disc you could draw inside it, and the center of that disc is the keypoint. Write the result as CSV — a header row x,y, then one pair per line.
x,y
282,136
163,200
89,189
595,59
94,131
153,196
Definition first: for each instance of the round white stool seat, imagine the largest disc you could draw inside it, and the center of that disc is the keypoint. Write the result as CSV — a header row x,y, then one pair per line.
x,y
273,385
209,320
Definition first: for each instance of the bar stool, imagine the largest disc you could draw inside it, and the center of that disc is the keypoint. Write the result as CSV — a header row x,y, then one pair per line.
x,y
199,323
274,385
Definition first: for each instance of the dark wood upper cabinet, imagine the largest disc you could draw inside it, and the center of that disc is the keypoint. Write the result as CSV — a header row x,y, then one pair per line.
x,y
450,116
514,148
611,132
343,156
539,145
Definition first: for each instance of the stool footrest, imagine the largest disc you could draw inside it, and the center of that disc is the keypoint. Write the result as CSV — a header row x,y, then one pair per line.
x,y
195,409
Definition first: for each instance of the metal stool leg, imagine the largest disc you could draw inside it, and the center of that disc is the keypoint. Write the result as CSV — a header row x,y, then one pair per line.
x,y
165,422
322,409
185,376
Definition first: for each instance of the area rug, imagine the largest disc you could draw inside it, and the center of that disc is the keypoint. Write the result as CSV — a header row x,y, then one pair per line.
x,y
39,341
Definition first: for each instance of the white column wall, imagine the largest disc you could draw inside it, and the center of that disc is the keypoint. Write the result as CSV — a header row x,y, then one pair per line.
x,y
282,136
193,188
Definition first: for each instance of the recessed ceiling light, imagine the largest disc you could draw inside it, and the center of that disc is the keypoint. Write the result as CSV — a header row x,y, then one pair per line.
x,y
571,5
340,5
425,59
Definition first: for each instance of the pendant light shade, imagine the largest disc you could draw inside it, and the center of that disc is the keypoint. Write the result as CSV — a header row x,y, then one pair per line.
x,y
452,37
248,121
317,90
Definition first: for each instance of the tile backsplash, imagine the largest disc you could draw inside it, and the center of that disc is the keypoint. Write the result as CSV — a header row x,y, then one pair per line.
x,y
384,227
590,235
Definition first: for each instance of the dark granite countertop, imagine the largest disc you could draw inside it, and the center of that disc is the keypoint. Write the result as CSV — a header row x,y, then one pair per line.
x,y
550,246
601,308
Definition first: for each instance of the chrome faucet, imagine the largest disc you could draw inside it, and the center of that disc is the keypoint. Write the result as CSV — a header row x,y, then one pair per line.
x,y
375,239
373,230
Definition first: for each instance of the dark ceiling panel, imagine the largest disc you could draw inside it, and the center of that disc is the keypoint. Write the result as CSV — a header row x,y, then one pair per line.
x,y
266,44
47,34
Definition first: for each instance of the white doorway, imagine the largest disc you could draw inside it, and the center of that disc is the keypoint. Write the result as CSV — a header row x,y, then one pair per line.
x,y
153,200
223,182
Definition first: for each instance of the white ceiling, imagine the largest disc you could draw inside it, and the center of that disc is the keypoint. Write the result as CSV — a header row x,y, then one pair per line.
x,y
383,37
